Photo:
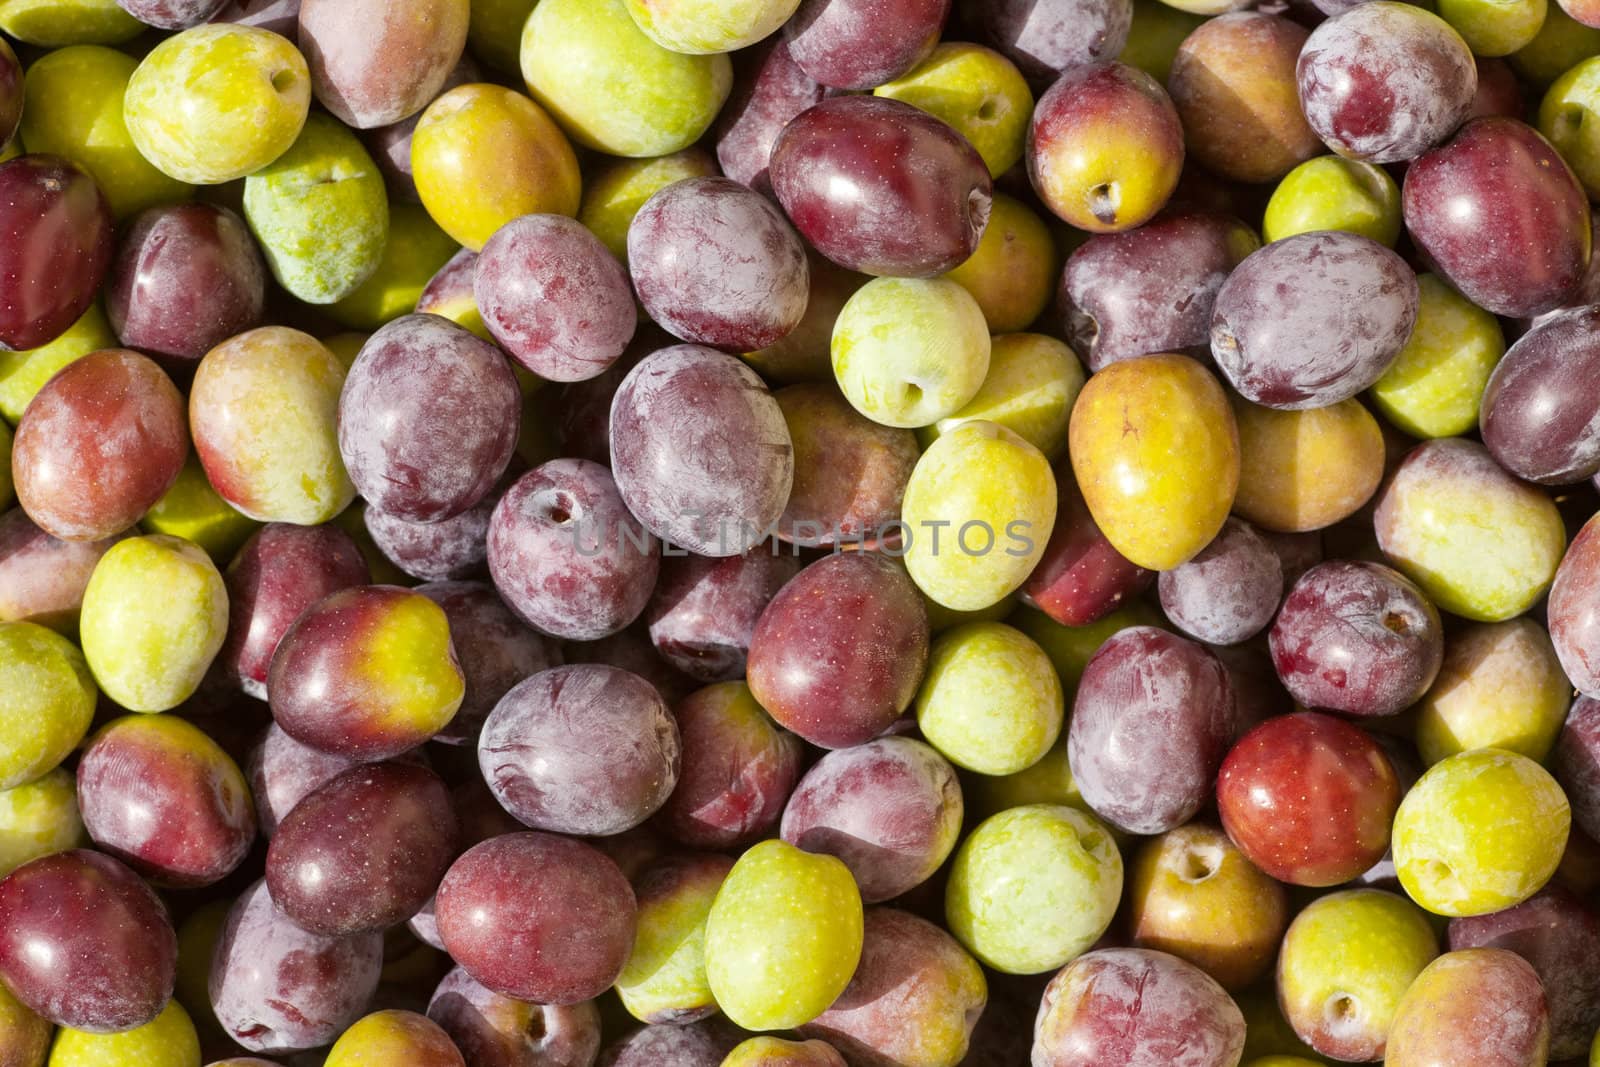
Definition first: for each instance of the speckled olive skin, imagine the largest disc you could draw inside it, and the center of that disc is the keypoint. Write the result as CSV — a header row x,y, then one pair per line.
x,y
980,93
1334,193
991,701
783,937
1036,924
1385,83
26,371
1105,148
913,1001
1460,207
703,611
155,614
1156,513
27,1037
715,263
1536,421
165,798
1483,1005
908,352
1480,543
58,243
1345,964
168,1040
769,90
54,701
320,213
1139,1008
708,27
842,171
113,959
367,672
263,411
554,297
1230,591
172,14
738,769
276,988
1192,893
1480,832
1080,578
1313,319
1150,289
838,654
562,943
1434,387
388,1037
1308,798
38,818
611,87
1150,725
198,82
134,416
373,63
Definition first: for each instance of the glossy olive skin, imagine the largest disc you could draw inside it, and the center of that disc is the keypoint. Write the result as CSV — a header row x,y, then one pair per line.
x,y
843,172
1081,577
1465,205
1539,421
1308,798
365,851
119,407
56,242
838,654
85,943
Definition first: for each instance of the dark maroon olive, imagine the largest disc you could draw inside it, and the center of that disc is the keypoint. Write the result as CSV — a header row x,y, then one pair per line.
x,y
56,242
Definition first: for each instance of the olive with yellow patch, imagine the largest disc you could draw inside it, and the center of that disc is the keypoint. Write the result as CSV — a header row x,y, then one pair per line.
x,y
1344,966
910,351
263,411
197,941
24,1036
611,87
783,937
1480,832
1495,27
62,23
776,1052
483,155
976,515
1434,386
73,108
1033,887
38,818
665,978
194,511
1306,470
50,699
320,213
1500,686
1032,384
154,616
977,92
990,700
1156,452
366,673
167,1041
22,374
1012,275
1467,1002
618,188
389,1038
707,27
217,102
1480,543
413,254
1105,148
1192,893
